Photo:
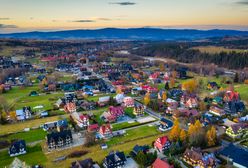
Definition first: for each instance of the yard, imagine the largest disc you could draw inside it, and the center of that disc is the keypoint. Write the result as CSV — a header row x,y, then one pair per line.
x,y
96,153
16,127
133,134
34,156
243,91
46,100
30,136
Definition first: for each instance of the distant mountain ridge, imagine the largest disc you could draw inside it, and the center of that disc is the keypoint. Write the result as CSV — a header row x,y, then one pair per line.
x,y
128,34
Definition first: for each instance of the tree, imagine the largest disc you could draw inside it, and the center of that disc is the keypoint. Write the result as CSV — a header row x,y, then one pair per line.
x,y
89,139
236,78
141,158
191,130
147,99
164,96
183,135
172,82
202,106
211,136
197,126
166,86
161,67
190,86
175,131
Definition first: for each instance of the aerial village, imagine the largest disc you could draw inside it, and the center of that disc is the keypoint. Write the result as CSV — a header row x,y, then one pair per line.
x,y
91,105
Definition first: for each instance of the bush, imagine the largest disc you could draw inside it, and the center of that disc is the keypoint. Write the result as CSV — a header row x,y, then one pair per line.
x,y
4,144
77,154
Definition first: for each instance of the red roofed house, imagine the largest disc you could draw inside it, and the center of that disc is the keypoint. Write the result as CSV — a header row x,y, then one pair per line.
x,y
93,128
70,107
116,111
85,120
128,102
231,96
105,131
159,163
162,143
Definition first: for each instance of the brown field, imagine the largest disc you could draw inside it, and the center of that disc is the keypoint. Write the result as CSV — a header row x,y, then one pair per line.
x,y
216,49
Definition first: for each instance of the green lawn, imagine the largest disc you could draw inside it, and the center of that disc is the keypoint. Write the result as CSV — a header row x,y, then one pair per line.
x,y
243,91
124,125
34,156
129,112
30,136
47,100
16,93
133,134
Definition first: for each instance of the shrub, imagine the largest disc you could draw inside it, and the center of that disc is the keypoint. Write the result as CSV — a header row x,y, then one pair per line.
x,y
77,154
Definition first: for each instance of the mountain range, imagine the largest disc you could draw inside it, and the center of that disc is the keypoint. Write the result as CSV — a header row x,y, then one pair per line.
x,y
128,34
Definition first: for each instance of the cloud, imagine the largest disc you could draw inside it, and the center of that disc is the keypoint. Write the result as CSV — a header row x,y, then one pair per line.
x,y
123,3
104,19
84,21
242,2
4,26
4,18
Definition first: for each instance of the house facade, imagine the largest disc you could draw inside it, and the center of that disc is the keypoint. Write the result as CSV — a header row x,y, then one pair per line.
x,y
115,160
237,130
105,131
162,143
17,148
59,139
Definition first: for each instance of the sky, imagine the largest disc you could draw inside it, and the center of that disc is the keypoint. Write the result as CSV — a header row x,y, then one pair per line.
x,y
47,15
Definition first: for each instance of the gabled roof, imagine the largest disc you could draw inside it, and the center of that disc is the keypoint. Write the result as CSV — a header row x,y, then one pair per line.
x,y
161,164
115,157
163,140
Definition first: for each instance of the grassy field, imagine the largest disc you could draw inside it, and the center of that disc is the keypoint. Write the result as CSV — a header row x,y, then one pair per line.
x,y
30,136
16,93
133,134
47,100
97,153
243,91
9,128
34,156
124,125
216,49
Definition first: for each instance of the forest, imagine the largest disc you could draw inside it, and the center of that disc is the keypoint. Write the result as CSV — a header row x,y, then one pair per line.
x,y
183,52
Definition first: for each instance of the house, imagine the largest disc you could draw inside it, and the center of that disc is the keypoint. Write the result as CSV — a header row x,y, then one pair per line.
x,y
231,96
17,148
213,85
138,110
237,130
33,93
82,121
113,114
105,131
185,112
128,102
119,98
115,160
59,139
233,107
235,155
87,163
175,93
137,149
93,128
164,124
161,163
62,125
196,158
50,126
70,107
102,101
23,114
162,143
189,101
216,111
217,100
